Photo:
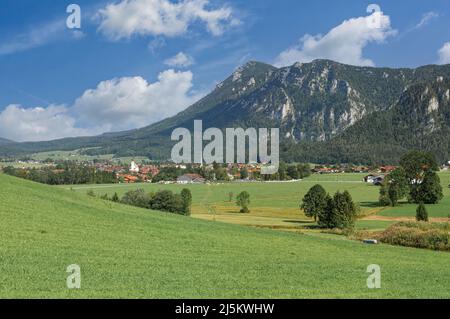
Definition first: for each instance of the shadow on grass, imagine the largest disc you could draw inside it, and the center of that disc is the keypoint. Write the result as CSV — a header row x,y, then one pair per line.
x,y
298,221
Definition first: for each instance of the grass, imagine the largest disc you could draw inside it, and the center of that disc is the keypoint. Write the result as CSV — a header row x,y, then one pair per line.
x,y
77,155
276,205
127,252
440,210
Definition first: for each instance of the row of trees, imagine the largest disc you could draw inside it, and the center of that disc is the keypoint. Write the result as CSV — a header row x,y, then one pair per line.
x,y
416,179
338,211
219,172
163,200
69,174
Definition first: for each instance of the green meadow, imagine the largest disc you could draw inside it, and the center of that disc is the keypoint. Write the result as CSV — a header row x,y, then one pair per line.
x,y
276,204
127,252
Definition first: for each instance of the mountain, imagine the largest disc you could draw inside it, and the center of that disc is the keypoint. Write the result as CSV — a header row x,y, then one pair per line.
x,y
4,141
420,119
318,106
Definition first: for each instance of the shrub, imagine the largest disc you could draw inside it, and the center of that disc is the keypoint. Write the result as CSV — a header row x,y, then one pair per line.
x,y
167,201
418,235
115,198
421,213
243,200
137,198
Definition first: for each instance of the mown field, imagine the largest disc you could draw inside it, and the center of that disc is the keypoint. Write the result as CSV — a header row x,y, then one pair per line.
x,y
276,204
129,252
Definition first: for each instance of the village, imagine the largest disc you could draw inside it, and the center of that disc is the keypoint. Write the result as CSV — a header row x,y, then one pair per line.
x,y
143,171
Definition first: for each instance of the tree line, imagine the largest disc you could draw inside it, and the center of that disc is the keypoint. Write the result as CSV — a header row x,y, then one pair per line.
x,y
66,174
163,200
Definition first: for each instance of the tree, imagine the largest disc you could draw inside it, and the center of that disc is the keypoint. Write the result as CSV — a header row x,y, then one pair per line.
x,y
304,170
167,201
421,213
137,198
314,202
416,162
115,198
292,172
397,186
326,217
282,171
186,198
340,211
344,210
384,199
430,190
243,200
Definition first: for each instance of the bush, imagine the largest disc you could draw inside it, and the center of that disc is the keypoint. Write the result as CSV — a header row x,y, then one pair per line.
x,y
243,200
137,198
421,213
115,198
167,201
419,235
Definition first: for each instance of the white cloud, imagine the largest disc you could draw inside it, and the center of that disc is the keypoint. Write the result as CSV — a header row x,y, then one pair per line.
x,y
180,60
161,17
35,37
444,54
344,43
39,123
426,18
114,105
132,102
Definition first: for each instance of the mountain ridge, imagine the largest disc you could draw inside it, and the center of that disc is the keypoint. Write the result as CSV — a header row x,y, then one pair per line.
x,y
312,103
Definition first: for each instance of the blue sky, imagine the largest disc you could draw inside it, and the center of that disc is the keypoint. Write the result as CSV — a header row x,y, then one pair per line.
x,y
135,62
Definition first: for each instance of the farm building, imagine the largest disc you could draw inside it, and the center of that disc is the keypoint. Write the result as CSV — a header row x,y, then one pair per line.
x,y
190,178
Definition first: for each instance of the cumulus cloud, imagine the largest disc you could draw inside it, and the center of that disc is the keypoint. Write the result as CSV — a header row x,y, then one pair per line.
x,y
444,53
344,43
114,105
161,17
180,60
39,123
130,102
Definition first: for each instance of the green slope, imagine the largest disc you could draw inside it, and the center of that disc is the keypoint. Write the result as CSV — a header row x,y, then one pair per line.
x,y
129,252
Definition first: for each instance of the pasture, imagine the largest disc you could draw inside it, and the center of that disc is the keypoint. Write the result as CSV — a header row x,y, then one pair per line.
x,y
276,204
127,252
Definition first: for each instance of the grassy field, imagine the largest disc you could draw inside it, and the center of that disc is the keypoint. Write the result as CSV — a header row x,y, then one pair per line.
x,y
440,210
276,205
129,252
77,155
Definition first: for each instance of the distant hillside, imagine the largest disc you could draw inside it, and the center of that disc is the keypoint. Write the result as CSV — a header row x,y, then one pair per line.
x,y
314,104
4,141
